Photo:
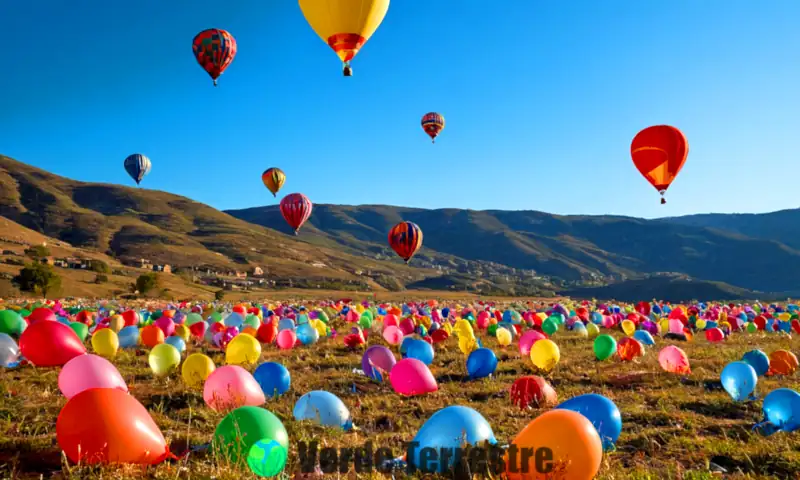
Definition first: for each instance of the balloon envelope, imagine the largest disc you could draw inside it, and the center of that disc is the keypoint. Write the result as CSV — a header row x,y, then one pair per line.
x,y
481,363
49,344
758,360
377,362
242,428
412,377
273,378
449,428
231,386
674,360
89,371
602,412
323,408
739,380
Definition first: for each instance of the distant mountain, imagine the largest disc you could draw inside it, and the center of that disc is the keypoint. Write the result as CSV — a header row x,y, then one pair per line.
x,y
782,226
671,289
573,248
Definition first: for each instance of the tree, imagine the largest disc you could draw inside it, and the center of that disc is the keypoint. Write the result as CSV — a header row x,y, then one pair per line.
x,y
147,282
38,278
219,295
100,278
37,251
99,266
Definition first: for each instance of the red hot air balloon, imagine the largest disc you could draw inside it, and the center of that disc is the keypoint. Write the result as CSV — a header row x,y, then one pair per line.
x,y
659,153
405,238
433,124
214,50
296,208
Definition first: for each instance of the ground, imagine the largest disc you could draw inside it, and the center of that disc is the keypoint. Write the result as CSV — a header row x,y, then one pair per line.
x,y
673,426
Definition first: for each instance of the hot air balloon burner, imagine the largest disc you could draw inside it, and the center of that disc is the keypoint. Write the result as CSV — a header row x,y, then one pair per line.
x,y
663,200
348,71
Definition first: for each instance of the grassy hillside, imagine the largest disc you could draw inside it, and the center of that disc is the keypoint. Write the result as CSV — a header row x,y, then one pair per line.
x,y
782,226
671,289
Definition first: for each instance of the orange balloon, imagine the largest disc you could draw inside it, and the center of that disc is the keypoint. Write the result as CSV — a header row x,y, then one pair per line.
x,y
152,335
628,349
782,362
106,425
563,443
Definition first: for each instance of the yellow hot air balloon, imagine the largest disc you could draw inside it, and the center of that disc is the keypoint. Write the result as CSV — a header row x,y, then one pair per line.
x,y
345,25
273,179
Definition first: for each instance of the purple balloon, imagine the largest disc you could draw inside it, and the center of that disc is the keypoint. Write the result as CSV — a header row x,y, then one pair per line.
x,y
377,362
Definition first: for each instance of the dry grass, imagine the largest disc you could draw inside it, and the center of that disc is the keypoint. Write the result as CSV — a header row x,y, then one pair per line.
x,y
673,427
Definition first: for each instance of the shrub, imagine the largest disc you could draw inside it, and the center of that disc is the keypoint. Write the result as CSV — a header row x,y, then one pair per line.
x,y
38,278
37,251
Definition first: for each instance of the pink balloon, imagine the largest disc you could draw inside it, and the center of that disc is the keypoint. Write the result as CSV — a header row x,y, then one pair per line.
x,y
286,339
89,371
675,326
674,360
392,335
230,387
482,322
410,377
166,325
407,326
389,320
527,340
50,344
352,316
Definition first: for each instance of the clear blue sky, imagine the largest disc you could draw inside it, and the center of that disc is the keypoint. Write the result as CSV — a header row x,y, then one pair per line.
x,y
542,99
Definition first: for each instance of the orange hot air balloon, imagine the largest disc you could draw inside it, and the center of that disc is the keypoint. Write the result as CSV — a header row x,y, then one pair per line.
x,y
405,238
273,179
659,153
433,124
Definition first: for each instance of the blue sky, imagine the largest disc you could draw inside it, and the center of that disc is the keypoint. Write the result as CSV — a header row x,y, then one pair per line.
x,y
541,98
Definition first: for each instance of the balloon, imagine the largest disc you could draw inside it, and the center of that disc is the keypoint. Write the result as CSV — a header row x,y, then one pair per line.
x,y
674,360
758,360
286,339
267,332
782,410
377,362
267,458
659,153
323,408
11,323
89,371
545,354
450,428
405,238
549,326
81,330
412,377
273,179
781,362
41,314
128,337
242,428
196,369
628,349
214,49
307,334
50,344
603,414
421,350
116,323
628,327
592,330
345,25
231,387
481,363
163,359
9,351
575,445
532,391
106,425
644,337
433,124
137,166
527,340
739,380
151,336
714,335
105,343
296,208
604,347
166,325
503,337
244,349
273,378
177,342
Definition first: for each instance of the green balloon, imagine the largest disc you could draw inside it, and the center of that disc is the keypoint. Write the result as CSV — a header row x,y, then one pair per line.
x,y
751,327
80,329
469,316
267,458
252,321
156,315
604,347
322,316
550,326
492,330
242,428
365,321
11,322
24,313
193,318
215,317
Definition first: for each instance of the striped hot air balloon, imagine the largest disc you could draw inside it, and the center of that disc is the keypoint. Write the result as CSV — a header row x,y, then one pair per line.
x,y
405,238
433,124
273,179
296,208
137,166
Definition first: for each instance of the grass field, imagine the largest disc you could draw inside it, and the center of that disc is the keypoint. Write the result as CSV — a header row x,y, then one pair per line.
x,y
673,427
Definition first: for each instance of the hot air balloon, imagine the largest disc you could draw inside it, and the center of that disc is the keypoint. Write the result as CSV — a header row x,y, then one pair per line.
x,y
273,179
296,208
405,238
659,153
433,124
214,50
137,166
345,25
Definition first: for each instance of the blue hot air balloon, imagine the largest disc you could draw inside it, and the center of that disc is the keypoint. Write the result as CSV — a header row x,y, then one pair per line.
x,y
137,166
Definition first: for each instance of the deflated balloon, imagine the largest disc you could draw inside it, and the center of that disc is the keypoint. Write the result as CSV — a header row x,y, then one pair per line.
x,y
412,377
230,387
89,371
674,360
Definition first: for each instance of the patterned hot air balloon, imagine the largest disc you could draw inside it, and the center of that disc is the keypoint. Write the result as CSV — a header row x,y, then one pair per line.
x,y
659,153
214,50
137,166
273,179
433,124
405,238
296,208
345,25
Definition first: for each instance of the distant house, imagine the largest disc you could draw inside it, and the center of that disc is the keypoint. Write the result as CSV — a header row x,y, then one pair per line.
x,y
77,263
144,263
162,268
257,272
240,274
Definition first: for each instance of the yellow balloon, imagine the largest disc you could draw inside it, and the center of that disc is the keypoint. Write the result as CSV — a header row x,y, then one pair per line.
x,y
320,327
542,316
425,322
628,327
196,369
183,332
592,330
447,328
345,25
725,325
116,323
664,324
784,317
545,354
723,317
503,337
467,344
165,358
243,349
700,324
105,342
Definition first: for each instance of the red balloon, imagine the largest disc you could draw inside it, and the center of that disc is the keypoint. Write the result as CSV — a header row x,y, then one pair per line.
x,y
50,344
85,317
106,425
659,153
628,349
405,238
42,314
267,332
439,335
198,329
532,391
214,49
131,318
714,335
296,208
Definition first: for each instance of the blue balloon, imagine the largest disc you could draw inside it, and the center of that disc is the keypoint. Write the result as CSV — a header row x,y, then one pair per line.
x,y
273,378
449,428
785,327
739,379
234,320
176,342
758,360
137,166
307,334
285,324
597,318
602,412
782,410
445,312
63,320
644,337
323,408
128,336
481,363
419,349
